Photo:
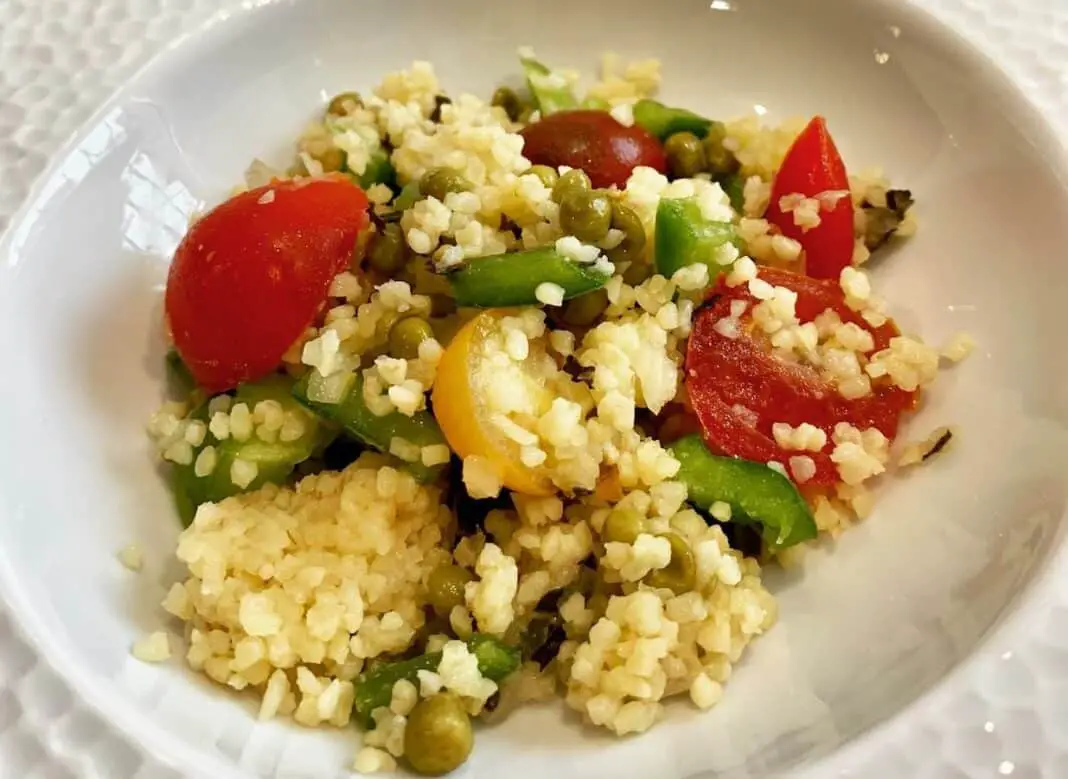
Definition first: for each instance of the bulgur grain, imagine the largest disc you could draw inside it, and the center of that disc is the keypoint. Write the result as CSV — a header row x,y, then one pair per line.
x,y
153,648
131,557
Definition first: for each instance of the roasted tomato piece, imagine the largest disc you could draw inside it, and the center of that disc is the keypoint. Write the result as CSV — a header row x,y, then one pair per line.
x,y
738,389
252,274
460,389
814,168
595,142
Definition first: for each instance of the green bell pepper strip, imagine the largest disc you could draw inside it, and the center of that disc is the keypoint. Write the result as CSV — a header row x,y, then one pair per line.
x,y
662,121
178,372
512,279
734,186
374,688
408,197
549,98
352,414
685,237
274,461
753,490
180,379
595,104
379,170
182,490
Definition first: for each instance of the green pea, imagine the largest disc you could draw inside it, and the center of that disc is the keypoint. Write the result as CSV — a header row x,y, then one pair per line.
x,y
438,737
586,215
344,103
637,272
680,574
584,310
685,155
623,526
547,175
500,527
573,181
406,335
359,249
332,159
509,100
445,586
388,251
438,182
626,220
719,160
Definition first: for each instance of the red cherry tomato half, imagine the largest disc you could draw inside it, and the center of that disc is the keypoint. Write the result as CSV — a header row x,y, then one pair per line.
x,y
595,142
738,389
252,274
811,166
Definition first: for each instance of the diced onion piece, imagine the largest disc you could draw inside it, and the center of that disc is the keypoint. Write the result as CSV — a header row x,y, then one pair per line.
x,y
329,389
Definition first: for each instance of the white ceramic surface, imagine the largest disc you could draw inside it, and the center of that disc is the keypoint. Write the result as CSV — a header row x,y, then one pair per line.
x,y
866,631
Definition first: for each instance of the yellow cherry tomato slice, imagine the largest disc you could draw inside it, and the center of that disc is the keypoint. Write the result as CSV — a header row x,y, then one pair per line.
x,y
463,400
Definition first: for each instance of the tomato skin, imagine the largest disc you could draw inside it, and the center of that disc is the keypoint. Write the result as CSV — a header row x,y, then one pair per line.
x,y
457,410
723,373
813,165
595,142
250,276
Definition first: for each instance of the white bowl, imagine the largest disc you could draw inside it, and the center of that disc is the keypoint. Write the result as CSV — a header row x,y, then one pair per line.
x,y
873,622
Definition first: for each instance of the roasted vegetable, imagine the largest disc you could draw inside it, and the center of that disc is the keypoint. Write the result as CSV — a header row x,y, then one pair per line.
x,y
513,279
351,413
753,490
550,90
663,121
272,462
813,168
882,222
684,237
374,688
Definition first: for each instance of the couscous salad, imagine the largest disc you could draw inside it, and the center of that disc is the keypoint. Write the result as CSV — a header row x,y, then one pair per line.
x,y
489,401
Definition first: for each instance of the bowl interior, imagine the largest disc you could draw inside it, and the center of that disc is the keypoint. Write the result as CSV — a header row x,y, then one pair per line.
x,y
871,621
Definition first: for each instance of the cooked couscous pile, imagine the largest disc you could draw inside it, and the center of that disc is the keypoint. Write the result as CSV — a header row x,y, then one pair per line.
x,y
486,402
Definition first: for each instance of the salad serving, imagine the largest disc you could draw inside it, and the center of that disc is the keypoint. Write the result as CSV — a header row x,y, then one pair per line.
x,y
487,402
